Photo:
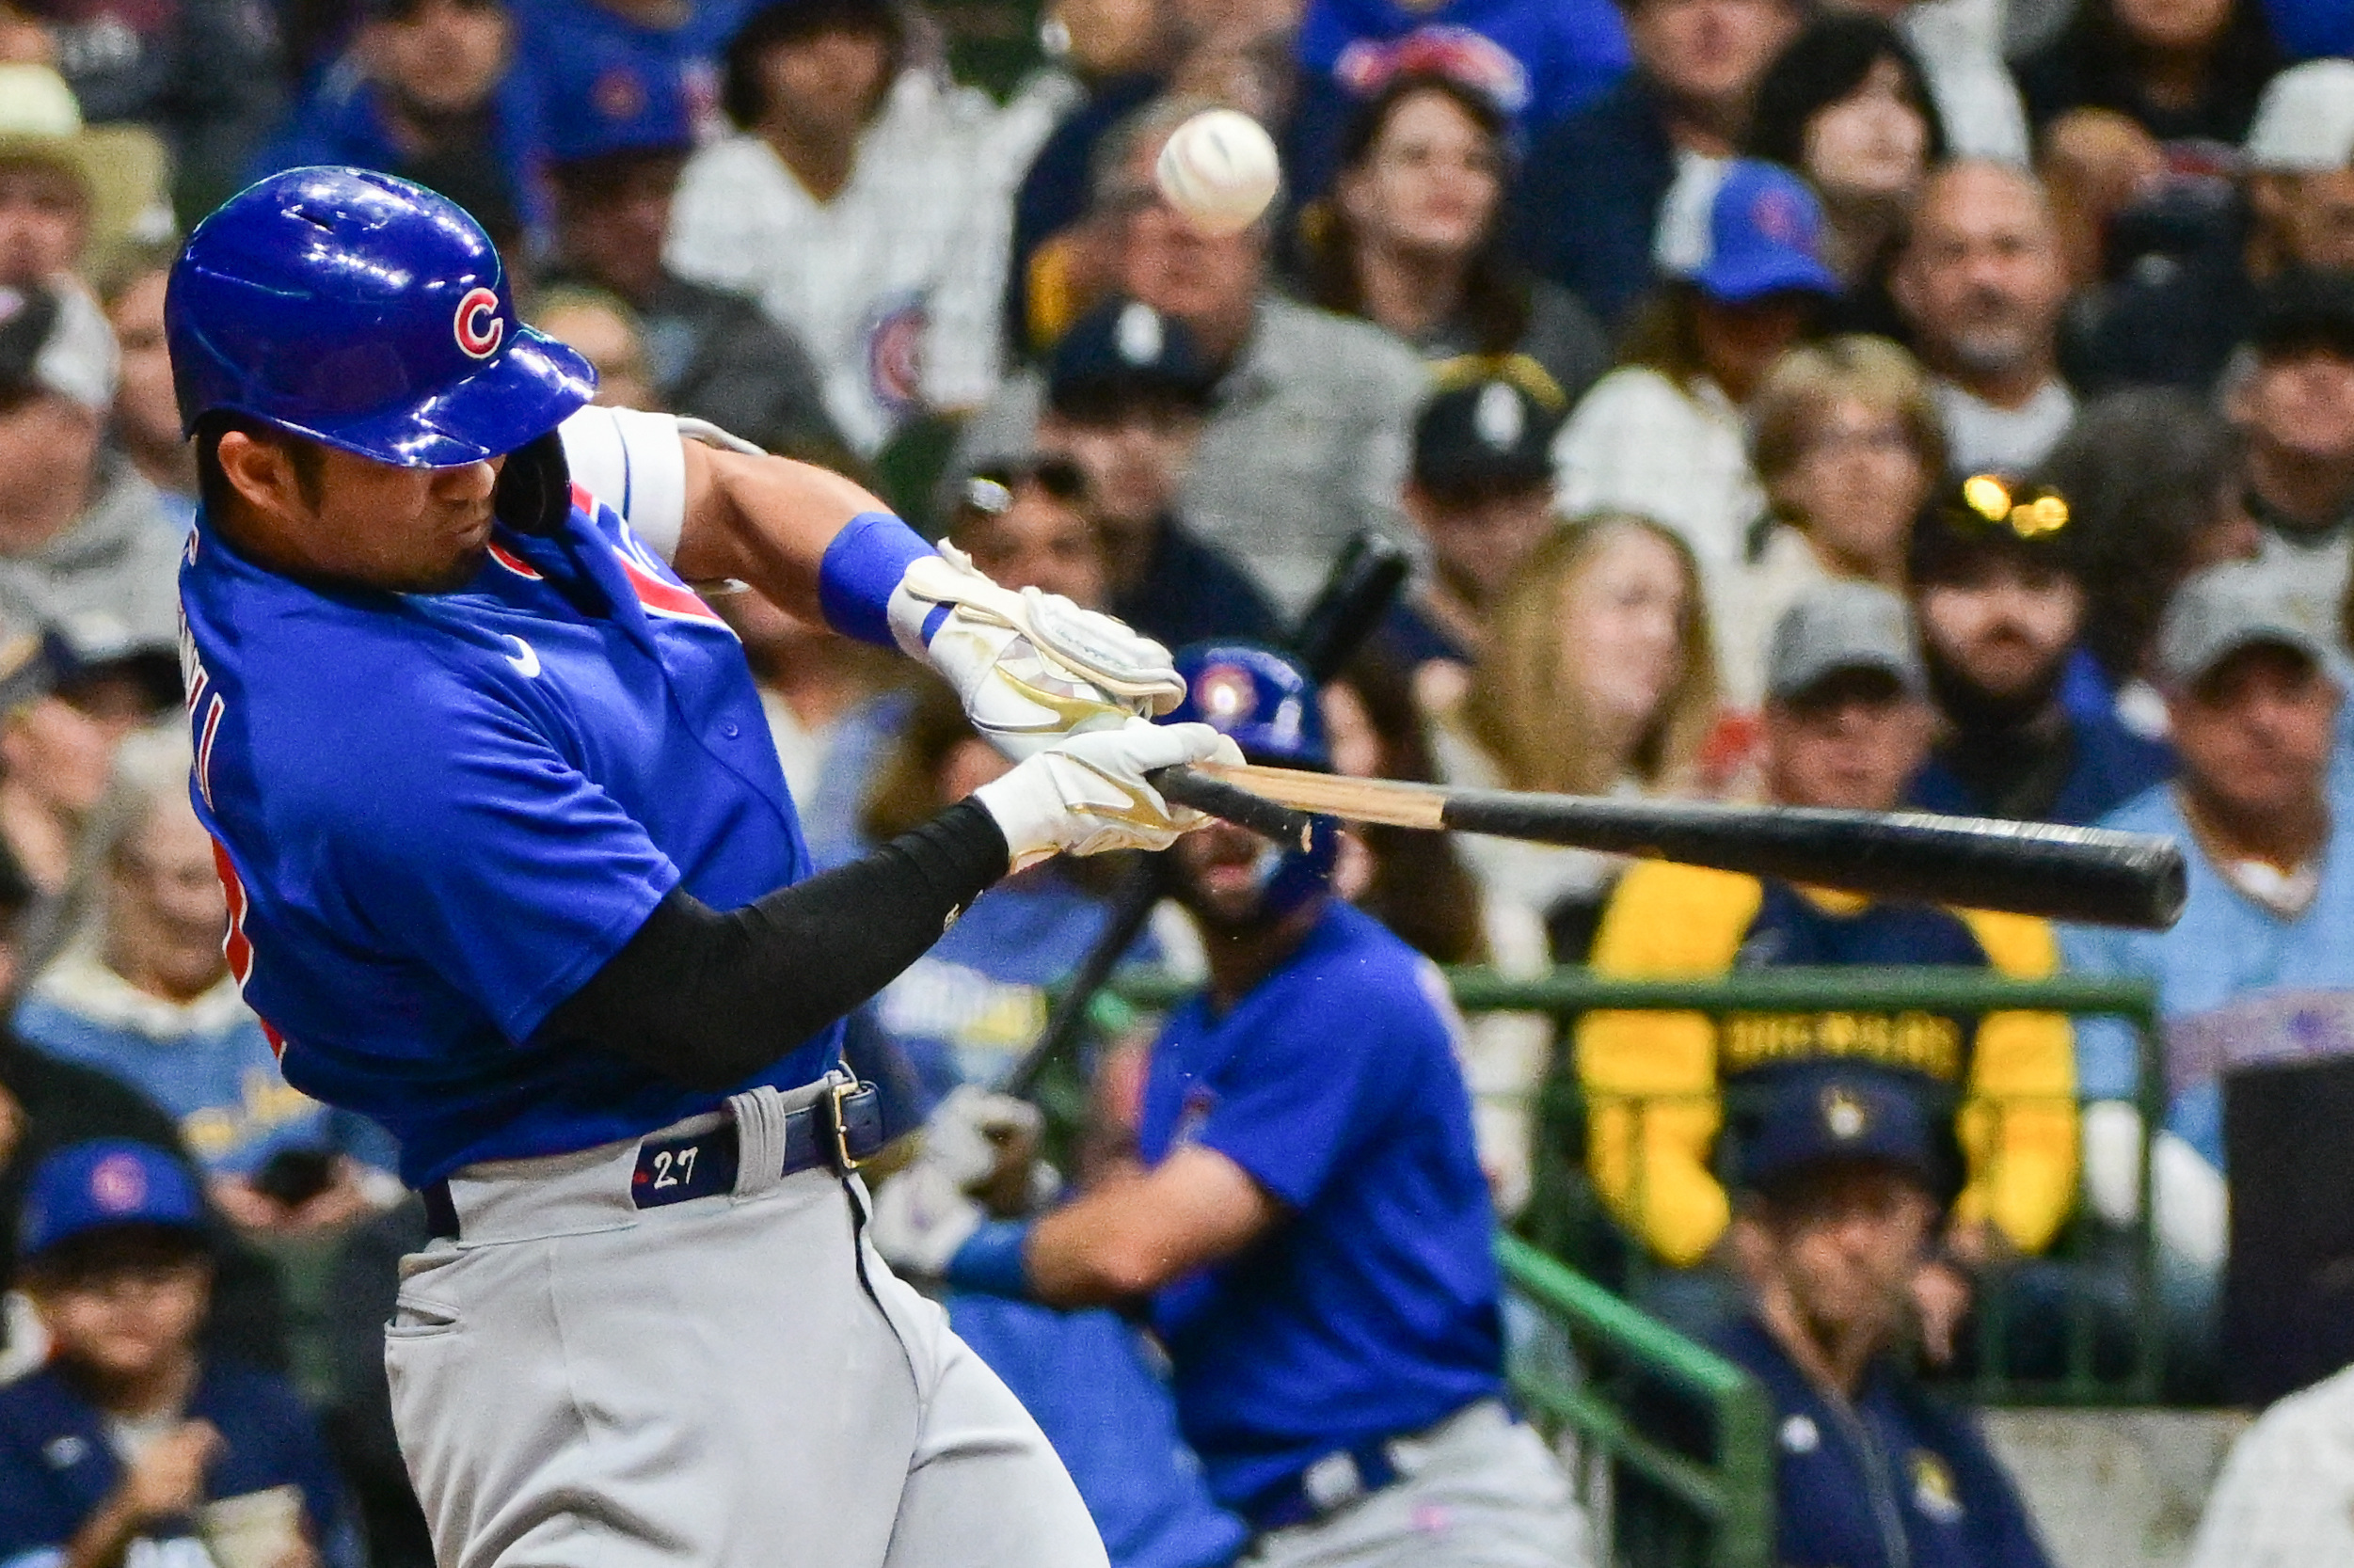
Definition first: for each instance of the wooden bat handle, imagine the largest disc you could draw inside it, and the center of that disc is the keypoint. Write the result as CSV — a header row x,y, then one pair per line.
x,y
1188,786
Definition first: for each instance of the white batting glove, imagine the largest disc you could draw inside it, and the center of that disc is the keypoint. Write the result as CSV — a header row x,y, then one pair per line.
x,y
926,1213
921,1217
1031,666
966,1130
1087,793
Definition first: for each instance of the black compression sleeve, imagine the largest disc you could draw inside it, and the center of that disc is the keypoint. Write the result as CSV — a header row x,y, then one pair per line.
x,y
707,998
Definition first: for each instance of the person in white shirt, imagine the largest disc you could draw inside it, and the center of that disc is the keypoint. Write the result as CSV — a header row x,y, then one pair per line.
x,y
1983,286
1661,437
861,205
2294,405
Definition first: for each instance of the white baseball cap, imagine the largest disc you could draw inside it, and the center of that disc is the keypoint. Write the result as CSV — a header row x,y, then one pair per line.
x,y
2304,123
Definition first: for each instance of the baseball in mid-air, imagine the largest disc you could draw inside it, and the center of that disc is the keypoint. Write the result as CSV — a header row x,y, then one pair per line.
x,y
1219,169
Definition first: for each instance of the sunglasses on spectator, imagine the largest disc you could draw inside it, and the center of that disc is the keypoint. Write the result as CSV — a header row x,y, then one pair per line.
x,y
992,490
1990,503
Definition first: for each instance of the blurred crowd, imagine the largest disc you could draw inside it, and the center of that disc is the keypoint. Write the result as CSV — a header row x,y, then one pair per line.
x,y
1854,404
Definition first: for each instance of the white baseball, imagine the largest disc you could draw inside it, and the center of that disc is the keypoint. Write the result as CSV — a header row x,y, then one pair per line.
x,y
1219,169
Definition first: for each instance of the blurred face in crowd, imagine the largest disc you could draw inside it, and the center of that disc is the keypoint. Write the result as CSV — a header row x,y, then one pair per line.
x,y
1870,146
614,232
1429,185
1981,279
2002,622
146,411
2172,26
130,1304
1110,37
1622,625
1133,454
2254,734
1708,51
1858,483
1851,740
1042,541
45,215
1208,281
441,56
823,88
2312,215
1739,343
2300,404
611,343
165,909
48,452
61,747
1840,1247
1478,544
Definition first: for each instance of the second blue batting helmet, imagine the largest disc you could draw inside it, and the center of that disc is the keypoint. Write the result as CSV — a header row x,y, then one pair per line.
x,y
1267,705
367,313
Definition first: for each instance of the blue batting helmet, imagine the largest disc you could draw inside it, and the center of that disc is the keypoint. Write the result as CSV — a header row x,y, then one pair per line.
x,y
1267,705
367,313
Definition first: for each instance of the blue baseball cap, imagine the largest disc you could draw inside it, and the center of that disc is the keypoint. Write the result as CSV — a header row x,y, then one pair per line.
x,y
1818,1115
634,107
104,1184
1741,228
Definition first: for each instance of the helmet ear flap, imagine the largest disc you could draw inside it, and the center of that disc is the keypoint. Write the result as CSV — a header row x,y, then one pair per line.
x,y
534,490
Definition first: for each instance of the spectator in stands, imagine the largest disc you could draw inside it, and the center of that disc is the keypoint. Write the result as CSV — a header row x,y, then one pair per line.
x,y
1999,591
1847,106
132,1443
1961,55
201,73
1847,724
1305,442
81,533
1538,61
429,90
850,212
1595,184
622,61
2182,71
1127,394
2295,408
1846,447
712,352
95,686
146,995
1662,435
72,196
146,425
1844,1182
2173,311
1028,521
1410,238
2263,941
1599,678
609,335
2153,482
1480,488
1981,284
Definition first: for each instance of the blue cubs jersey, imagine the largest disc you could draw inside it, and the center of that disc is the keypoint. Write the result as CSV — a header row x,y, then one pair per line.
x,y
1370,1309
438,815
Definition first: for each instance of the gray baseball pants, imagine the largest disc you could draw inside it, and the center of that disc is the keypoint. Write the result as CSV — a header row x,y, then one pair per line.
x,y
1477,1491
736,1382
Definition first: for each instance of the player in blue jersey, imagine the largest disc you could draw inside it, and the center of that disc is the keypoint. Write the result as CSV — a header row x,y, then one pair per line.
x,y
1308,1220
513,870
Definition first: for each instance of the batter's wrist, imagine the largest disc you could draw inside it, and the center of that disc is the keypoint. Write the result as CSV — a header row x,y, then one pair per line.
x,y
993,1261
861,570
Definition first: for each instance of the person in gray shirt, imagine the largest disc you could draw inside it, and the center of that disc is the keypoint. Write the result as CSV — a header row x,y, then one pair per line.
x,y
1305,443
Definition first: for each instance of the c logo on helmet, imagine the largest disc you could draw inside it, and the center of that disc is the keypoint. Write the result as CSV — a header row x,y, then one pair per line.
x,y
480,327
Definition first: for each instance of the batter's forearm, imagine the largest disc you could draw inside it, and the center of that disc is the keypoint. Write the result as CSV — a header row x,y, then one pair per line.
x,y
709,998
767,521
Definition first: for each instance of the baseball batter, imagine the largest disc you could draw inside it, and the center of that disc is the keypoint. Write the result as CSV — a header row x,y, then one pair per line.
x,y
512,869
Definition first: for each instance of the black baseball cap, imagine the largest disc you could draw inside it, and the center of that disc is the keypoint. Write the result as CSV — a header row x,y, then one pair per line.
x,y
1126,352
1989,514
2303,311
1812,1116
1485,437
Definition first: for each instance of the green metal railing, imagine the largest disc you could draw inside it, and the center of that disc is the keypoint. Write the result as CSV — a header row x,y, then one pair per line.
x,y
1729,1494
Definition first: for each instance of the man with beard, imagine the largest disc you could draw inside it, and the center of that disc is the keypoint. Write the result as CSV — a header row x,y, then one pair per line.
x,y
1307,1225
1982,287
1999,598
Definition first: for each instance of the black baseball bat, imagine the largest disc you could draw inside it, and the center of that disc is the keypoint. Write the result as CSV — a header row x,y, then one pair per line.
x,y
1356,593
